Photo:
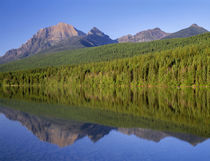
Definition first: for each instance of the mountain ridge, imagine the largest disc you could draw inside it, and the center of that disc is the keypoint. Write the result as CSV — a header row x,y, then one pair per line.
x,y
192,30
144,36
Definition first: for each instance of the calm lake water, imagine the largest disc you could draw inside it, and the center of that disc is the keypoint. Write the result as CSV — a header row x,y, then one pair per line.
x,y
43,126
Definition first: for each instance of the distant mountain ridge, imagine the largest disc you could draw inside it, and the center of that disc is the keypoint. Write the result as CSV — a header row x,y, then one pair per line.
x,y
144,36
193,30
158,34
56,38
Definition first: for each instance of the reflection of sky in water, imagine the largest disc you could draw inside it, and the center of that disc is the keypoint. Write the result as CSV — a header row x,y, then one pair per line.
x,y
19,144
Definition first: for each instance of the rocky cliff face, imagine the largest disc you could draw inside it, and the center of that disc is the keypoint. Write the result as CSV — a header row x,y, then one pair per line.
x,y
64,133
56,38
144,36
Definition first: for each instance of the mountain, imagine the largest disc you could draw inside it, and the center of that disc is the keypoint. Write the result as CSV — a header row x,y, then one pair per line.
x,y
97,38
188,32
56,38
43,40
157,34
144,36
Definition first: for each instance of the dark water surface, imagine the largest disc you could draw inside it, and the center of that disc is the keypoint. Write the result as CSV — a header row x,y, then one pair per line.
x,y
38,126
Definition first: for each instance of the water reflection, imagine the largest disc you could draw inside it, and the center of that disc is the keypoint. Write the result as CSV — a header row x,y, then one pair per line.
x,y
63,124
64,133
164,109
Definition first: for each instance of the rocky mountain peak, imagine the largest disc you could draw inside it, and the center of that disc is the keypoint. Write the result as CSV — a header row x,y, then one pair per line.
x,y
95,31
60,31
194,25
96,37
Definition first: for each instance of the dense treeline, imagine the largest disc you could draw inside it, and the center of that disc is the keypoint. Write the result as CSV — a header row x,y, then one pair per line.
x,y
186,66
103,53
188,109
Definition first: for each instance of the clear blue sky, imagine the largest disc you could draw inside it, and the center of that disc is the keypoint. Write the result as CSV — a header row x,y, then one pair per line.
x,y
20,19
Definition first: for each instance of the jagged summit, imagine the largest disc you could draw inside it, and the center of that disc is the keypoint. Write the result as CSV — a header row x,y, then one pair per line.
x,y
97,37
96,31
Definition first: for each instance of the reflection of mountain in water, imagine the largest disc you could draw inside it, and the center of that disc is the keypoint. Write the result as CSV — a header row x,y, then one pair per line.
x,y
65,133
58,132
157,136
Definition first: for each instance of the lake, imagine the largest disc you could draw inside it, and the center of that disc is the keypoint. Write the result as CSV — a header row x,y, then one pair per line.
x,y
106,125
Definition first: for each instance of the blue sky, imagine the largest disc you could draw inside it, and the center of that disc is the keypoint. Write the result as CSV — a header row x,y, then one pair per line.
x,y
20,19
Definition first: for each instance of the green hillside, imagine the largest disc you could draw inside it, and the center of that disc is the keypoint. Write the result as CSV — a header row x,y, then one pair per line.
x,y
102,53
